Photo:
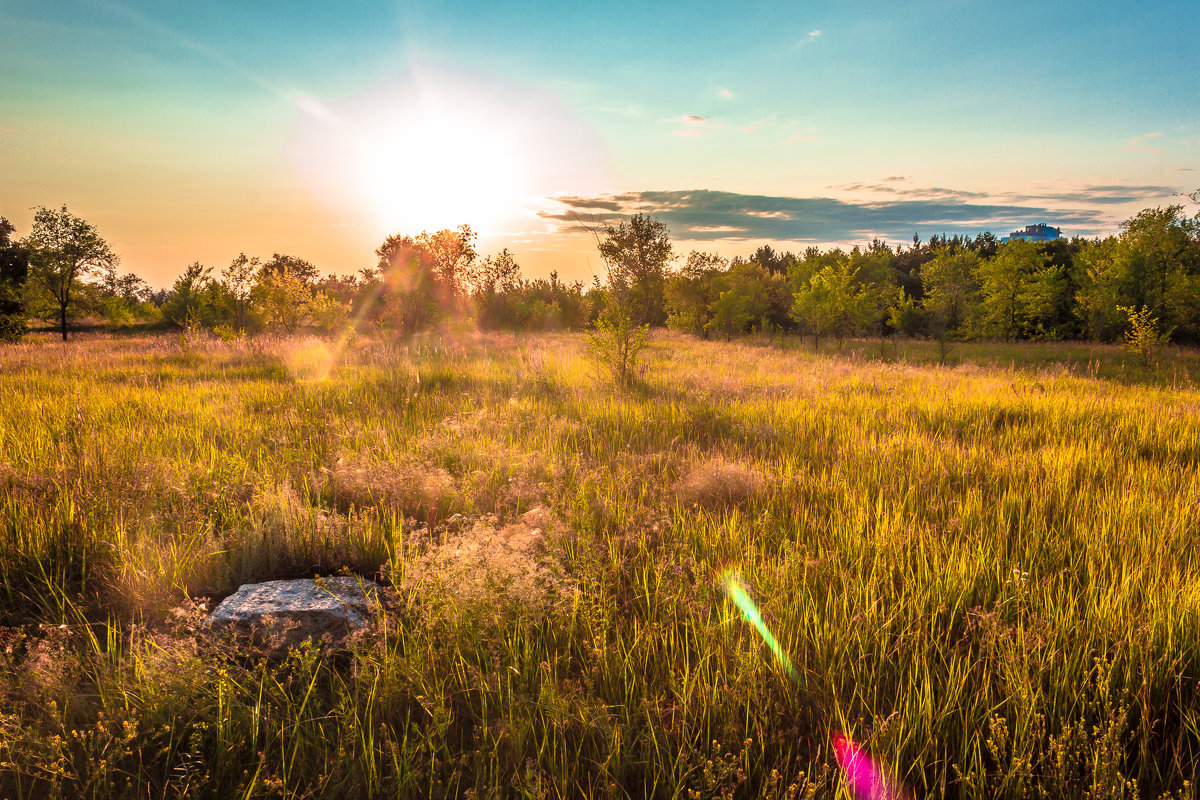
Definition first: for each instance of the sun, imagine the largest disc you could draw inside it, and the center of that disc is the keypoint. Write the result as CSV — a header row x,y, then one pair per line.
x,y
436,170
439,148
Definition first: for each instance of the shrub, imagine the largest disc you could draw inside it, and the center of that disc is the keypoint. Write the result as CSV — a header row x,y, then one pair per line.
x,y
13,327
1143,336
617,342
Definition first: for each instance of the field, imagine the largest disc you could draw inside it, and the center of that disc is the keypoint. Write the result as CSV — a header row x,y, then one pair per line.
x,y
987,573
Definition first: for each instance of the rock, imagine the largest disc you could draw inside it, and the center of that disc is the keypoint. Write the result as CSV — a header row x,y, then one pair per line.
x,y
282,614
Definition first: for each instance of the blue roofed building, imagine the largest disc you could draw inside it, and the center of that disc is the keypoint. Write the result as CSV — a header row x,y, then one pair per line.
x,y
1035,233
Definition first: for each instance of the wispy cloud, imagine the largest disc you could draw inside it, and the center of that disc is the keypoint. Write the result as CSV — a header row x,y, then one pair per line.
x,y
812,36
725,94
693,125
8,130
1138,143
704,215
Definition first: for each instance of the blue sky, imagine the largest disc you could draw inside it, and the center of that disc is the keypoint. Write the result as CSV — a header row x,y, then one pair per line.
x,y
197,131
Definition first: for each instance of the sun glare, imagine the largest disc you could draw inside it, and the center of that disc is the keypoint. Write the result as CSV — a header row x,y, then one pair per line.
x,y
438,170
438,148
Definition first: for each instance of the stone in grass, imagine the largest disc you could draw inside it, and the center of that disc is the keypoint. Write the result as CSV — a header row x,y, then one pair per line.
x,y
282,614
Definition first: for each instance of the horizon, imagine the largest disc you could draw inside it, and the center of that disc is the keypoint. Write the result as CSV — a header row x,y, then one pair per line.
x,y
196,134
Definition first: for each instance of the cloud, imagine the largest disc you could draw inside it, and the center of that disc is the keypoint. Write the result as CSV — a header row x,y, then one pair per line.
x,y
1101,194
812,36
716,229
802,137
705,215
693,125
8,130
724,94
1138,143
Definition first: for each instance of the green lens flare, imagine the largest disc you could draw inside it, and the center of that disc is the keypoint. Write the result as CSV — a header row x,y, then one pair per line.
x,y
732,584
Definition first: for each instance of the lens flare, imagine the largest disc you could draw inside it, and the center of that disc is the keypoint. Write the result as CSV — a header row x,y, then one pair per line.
x,y
866,780
732,584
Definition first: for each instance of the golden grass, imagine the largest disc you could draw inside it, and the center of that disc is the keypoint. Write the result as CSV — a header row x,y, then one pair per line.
x,y
987,573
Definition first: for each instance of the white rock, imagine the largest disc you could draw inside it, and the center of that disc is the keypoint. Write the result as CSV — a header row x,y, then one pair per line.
x,y
289,612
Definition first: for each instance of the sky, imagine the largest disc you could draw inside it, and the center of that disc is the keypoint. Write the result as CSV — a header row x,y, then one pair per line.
x,y
195,132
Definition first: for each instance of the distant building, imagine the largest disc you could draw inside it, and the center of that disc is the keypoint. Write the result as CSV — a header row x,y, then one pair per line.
x,y
1035,233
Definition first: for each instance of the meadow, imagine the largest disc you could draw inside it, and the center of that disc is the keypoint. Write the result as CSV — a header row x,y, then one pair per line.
x,y
986,572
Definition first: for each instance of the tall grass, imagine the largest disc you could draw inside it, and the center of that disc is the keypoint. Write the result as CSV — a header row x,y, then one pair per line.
x,y
987,573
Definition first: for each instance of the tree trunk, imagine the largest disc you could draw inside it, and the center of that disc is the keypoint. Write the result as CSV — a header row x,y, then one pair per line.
x,y
62,317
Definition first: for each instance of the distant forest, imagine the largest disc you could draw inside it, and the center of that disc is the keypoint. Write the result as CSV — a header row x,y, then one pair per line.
x,y
1146,277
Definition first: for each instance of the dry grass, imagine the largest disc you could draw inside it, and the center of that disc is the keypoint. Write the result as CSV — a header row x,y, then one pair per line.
x,y
719,483
986,573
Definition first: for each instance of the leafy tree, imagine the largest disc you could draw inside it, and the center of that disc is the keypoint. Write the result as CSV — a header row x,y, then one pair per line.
x,y
63,251
193,299
743,299
239,280
638,254
951,299
1017,288
404,293
833,304
691,292
617,341
283,299
298,268
14,270
451,255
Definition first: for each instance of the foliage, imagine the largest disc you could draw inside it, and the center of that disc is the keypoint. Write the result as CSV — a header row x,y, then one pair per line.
x,y
1017,289
690,293
832,303
951,302
616,342
194,298
14,270
1144,337
63,251
638,254
282,299
13,327
298,268
238,280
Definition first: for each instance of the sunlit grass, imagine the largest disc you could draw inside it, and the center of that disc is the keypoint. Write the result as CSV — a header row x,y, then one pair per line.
x,y
985,572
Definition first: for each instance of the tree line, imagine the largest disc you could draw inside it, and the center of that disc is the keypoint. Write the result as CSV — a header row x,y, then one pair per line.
x,y
1144,278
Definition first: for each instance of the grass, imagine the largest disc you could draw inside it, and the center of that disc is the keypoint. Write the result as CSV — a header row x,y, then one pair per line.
x,y
986,572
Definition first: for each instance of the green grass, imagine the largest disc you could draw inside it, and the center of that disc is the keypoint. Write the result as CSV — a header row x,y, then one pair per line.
x,y
986,572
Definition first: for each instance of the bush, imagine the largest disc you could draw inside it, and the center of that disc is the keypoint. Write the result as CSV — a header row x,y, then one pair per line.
x,y
13,327
617,342
1143,336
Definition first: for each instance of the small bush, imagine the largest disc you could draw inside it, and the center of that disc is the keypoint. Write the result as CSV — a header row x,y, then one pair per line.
x,y
13,327
1143,337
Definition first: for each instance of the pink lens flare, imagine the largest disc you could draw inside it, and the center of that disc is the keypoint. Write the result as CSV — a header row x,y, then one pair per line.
x,y
864,777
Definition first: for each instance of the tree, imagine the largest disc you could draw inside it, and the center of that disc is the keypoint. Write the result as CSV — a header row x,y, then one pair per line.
x,y
282,298
637,253
831,303
14,269
1017,287
951,292
297,267
192,299
690,293
238,279
451,255
63,250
